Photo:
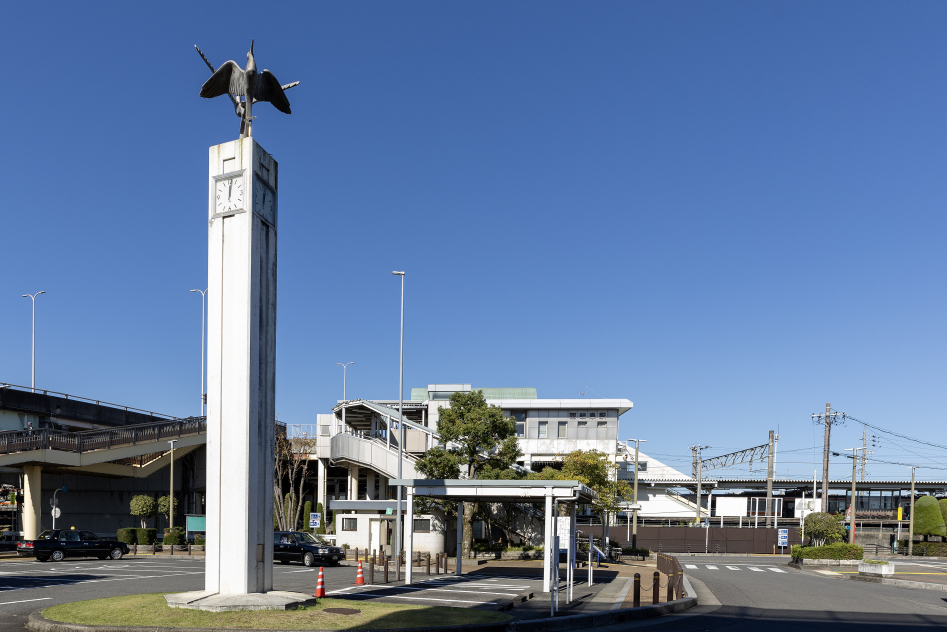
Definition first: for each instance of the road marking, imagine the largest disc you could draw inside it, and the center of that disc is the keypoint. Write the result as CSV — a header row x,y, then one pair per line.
x,y
690,566
7,603
305,570
713,568
733,568
484,603
758,570
777,570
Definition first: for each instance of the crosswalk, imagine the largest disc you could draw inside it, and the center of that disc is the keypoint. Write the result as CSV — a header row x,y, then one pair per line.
x,y
757,569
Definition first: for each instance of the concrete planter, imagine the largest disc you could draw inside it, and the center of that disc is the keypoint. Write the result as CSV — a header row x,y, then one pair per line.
x,y
798,562
509,555
876,570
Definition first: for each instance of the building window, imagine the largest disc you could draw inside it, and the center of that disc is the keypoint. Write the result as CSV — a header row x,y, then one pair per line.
x,y
422,526
562,429
324,430
602,415
520,429
583,415
642,466
542,429
572,416
350,524
518,415
583,424
604,424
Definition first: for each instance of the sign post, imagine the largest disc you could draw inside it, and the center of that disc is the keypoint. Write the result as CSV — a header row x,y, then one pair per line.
x,y
782,538
315,520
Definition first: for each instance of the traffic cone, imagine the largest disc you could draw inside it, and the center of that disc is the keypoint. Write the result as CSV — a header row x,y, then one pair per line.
x,y
359,577
320,585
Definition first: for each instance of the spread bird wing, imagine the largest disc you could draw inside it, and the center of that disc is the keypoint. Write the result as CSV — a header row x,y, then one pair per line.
x,y
269,89
229,78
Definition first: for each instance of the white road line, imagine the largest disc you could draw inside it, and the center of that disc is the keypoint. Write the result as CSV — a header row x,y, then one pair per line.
x,y
7,603
733,568
712,568
758,570
97,581
305,570
690,566
777,570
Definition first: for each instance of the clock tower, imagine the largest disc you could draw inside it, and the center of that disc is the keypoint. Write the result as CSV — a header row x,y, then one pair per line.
x,y
241,368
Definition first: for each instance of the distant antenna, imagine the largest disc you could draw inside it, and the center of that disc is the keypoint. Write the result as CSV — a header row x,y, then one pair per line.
x,y
582,393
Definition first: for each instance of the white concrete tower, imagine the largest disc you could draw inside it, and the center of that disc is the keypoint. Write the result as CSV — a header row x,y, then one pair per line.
x,y
241,368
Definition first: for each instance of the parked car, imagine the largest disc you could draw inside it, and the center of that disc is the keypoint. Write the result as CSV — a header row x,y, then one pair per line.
x,y
297,546
57,544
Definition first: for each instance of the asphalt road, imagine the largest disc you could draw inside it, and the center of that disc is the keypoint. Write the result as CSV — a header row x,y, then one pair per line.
x,y
734,596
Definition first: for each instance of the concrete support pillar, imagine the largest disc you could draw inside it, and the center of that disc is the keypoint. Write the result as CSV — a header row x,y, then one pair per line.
x,y
353,483
547,542
32,501
321,497
409,536
370,484
241,368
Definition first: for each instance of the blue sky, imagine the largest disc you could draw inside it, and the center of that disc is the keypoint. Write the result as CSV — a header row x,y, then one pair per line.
x,y
729,213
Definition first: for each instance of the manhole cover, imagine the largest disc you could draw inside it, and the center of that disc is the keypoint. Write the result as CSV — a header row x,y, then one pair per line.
x,y
341,610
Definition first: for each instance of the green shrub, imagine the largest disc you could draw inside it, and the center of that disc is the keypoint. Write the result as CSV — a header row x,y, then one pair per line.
x,y
143,507
199,540
836,551
174,536
823,528
874,562
927,517
926,549
128,536
943,508
146,536
639,552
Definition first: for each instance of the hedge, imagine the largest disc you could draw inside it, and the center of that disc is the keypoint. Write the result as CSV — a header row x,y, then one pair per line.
x,y
927,517
128,536
837,551
199,540
927,549
146,536
174,536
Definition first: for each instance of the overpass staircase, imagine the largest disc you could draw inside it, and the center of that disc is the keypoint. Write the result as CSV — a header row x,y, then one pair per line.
x,y
372,452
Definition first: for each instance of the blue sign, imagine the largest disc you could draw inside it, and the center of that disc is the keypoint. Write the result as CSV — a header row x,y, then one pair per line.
x,y
782,537
315,520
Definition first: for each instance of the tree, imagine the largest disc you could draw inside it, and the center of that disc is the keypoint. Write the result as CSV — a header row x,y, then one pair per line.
x,y
164,507
291,464
823,528
480,440
143,507
307,509
927,517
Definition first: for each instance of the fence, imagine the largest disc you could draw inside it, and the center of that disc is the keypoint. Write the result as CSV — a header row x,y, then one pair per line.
x,y
700,540
79,442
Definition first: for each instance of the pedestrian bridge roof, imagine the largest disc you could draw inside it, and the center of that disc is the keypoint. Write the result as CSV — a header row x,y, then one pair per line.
x,y
499,491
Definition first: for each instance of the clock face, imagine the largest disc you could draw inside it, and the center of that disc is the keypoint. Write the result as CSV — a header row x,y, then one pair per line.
x,y
264,201
229,195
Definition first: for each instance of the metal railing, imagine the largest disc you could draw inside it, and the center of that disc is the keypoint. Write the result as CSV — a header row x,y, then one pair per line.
x,y
97,402
669,565
90,440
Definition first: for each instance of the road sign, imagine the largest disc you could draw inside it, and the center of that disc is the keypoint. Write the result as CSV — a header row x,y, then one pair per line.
x,y
315,520
56,512
389,511
782,537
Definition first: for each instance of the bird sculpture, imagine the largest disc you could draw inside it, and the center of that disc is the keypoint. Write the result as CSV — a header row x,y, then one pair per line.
x,y
253,86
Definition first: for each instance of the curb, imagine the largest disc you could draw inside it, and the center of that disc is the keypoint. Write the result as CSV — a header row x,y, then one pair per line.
x,y
38,623
903,583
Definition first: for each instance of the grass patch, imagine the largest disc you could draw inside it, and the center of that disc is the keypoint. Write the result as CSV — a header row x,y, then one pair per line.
x,y
152,611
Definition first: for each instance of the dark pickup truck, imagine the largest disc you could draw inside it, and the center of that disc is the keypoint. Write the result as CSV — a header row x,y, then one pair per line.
x,y
58,544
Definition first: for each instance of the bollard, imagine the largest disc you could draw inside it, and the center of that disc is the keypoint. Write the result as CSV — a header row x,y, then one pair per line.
x,y
656,587
637,591
371,571
373,556
384,561
428,564
670,595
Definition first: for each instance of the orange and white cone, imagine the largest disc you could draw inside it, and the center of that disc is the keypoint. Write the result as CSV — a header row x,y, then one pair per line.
x,y
359,577
320,585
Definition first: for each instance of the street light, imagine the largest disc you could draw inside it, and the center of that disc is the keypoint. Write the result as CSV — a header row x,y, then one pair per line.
x,y
911,517
203,302
55,503
401,436
344,366
851,530
171,498
33,378
634,505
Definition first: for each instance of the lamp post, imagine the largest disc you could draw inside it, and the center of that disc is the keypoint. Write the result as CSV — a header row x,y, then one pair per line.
x,y
401,437
203,304
344,366
171,497
33,378
634,505
911,517
56,504
851,529
700,463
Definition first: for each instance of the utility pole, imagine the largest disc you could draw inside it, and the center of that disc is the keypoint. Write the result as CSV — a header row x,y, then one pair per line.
x,y
827,420
851,508
697,449
911,518
634,512
769,482
694,461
